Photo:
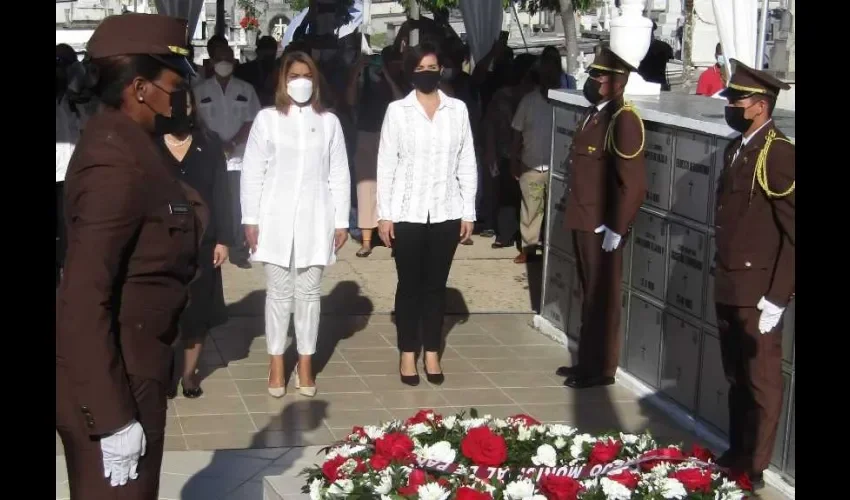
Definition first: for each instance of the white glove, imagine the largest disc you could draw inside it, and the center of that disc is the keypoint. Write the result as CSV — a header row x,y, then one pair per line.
x,y
611,240
770,315
121,452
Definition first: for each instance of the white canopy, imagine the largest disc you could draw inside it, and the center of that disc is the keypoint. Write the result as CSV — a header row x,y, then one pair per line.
x,y
482,20
737,26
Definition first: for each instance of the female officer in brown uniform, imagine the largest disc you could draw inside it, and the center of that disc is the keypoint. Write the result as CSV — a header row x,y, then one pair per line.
x,y
133,232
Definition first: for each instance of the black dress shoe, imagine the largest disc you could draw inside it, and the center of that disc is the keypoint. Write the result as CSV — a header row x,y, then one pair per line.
x,y
435,378
588,382
192,393
411,380
242,264
567,371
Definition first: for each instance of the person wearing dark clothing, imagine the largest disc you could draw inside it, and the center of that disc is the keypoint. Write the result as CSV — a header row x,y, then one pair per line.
x,y
260,72
198,155
551,55
653,68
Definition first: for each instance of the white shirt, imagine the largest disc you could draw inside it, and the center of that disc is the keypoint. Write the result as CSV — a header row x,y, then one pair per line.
x,y
296,186
69,126
426,168
533,118
746,139
225,111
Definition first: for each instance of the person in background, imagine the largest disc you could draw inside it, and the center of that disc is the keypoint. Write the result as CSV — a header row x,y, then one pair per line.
x,y
498,136
755,276
133,232
227,106
531,149
653,67
427,179
213,44
259,72
551,56
712,80
198,156
493,72
296,197
606,169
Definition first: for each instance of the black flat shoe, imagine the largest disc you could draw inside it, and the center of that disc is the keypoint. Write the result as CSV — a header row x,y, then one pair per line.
x,y
499,244
434,378
567,371
411,380
193,393
588,382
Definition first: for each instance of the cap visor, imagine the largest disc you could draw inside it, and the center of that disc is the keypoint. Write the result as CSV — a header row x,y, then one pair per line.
x,y
177,63
734,94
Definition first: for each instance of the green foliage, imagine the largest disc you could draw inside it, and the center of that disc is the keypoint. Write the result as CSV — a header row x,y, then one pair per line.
x,y
299,5
532,6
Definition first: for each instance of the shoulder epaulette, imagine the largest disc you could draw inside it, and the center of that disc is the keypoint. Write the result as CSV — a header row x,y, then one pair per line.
x,y
610,140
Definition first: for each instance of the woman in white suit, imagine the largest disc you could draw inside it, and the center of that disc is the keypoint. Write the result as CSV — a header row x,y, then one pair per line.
x,y
295,202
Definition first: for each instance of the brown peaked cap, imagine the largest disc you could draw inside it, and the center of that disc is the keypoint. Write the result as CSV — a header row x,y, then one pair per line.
x,y
747,81
609,62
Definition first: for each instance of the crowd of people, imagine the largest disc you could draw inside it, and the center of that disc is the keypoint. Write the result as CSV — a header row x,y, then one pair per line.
x,y
181,168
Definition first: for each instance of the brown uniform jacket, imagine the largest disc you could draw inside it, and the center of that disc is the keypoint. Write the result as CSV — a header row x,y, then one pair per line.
x,y
133,233
604,186
755,234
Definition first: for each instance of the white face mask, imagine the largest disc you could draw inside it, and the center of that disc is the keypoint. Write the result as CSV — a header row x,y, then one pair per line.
x,y
223,68
300,90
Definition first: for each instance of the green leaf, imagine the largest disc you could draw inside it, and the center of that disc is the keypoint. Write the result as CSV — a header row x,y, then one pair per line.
x,y
473,413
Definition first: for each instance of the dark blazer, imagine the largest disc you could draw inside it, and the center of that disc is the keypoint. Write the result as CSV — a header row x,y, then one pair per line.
x,y
133,234
754,231
606,170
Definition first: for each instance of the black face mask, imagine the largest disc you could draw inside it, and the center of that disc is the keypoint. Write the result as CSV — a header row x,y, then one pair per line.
x,y
735,119
179,122
591,91
425,81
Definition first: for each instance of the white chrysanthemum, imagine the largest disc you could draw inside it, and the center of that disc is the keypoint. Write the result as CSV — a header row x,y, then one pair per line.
x,y
316,489
672,488
729,490
546,455
385,486
523,433
500,423
432,491
344,451
535,497
560,430
418,429
519,490
386,497
577,448
660,471
489,488
449,422
348,467
441,452
374,432
614,490
472,423
560,443
341,488
628,439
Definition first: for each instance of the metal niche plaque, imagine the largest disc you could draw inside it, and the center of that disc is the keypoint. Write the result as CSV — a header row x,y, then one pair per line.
x,y
649,254
565,125
710,311
559,238
556,299
658,150
644,349
719,151
680,364
692,175
687,269
713,404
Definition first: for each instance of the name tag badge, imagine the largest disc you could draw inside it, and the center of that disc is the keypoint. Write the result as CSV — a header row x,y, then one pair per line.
x,y
179,208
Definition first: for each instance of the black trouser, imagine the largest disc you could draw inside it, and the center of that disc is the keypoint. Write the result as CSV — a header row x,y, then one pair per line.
x,y
423,259
508,198
239,251
61,243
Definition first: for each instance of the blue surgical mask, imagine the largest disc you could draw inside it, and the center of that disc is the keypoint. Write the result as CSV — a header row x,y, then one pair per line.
x,y
721,60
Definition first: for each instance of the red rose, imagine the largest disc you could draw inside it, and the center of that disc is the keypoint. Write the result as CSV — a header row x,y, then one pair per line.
x,y
421,417
358,432
467,493
625,477
701,453
743,481
379,462
604,452
330,469
416,479
524,420
559,487
670,454
484,447
695,480
394,446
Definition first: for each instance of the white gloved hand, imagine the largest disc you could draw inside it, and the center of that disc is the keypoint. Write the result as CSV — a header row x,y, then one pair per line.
x,y
121,451
770,315
611,240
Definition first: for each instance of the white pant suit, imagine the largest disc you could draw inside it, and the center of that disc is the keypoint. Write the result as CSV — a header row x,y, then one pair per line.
x,y
296,187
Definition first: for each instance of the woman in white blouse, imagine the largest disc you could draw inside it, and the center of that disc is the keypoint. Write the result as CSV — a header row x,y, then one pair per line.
x,y
295,204
427,180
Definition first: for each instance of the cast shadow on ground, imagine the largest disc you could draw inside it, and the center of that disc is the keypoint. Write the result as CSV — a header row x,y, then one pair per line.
x,y
291,428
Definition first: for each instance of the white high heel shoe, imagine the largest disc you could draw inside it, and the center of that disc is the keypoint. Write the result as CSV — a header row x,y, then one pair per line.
x,y
304,391
276,392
